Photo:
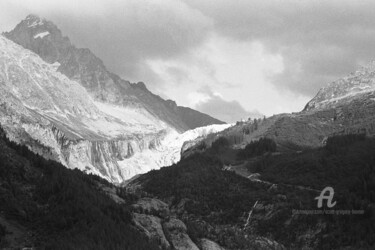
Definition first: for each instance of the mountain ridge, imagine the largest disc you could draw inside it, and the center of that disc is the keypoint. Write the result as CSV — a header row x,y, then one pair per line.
x,y
345,89
344,106
80,64
64,104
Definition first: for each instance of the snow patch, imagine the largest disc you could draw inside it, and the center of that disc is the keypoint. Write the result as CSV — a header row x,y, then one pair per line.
x,y
36,23
41,35
56,65
136,120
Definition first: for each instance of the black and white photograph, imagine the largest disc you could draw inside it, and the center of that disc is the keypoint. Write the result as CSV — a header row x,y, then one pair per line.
x,y
187,124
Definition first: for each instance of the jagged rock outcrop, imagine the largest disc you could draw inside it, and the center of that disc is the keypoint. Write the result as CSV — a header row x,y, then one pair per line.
x,y
176,232
153,217
151,226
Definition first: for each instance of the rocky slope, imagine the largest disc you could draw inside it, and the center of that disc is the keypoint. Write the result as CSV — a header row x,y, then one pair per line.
x,y
45,39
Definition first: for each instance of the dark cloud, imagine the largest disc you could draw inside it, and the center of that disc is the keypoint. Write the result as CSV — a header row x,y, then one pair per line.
x,y
319,40
228,111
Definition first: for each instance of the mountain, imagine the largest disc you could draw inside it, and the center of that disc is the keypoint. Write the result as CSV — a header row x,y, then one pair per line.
x,y
359,84
45,39
58,118
342,107
66,106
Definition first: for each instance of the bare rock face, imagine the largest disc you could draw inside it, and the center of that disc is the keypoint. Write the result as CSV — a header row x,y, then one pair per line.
x,y
176,233
152,217
151,226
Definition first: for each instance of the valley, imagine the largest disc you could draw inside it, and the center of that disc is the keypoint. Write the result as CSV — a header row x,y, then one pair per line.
x,y
89,160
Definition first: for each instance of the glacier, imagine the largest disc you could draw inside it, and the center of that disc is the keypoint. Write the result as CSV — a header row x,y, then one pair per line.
x,y
57,118
167,151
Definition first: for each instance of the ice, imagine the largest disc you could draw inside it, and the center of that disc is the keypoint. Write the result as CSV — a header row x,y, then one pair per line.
x,y
167,153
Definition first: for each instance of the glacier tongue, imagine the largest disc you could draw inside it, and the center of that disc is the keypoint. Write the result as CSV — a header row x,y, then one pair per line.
x,y
167,152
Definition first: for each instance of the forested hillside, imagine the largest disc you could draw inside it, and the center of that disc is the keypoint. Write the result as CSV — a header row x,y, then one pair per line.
x,y
44,204
214,201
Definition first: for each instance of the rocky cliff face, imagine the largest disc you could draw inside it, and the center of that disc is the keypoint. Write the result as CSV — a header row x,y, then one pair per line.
x,y
154,218
45,39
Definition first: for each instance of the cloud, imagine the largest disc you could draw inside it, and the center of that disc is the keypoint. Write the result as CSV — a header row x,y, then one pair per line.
x,y
229,111
272,56
125,33
319,41
236,69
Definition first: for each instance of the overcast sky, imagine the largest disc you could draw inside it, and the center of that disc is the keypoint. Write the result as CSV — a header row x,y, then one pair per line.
x,y
226,58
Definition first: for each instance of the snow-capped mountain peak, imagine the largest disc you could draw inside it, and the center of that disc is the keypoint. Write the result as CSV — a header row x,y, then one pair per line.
x,y
64,104
44,38
33,20
57,117
345,89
